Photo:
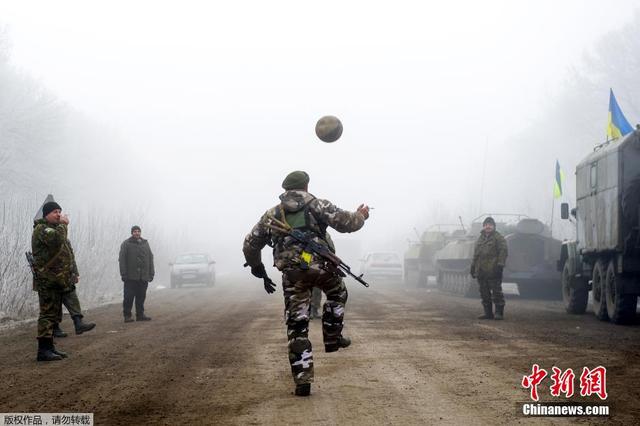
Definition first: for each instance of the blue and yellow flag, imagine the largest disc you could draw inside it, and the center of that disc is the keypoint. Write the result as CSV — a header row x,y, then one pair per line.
x,y
618,125
557,186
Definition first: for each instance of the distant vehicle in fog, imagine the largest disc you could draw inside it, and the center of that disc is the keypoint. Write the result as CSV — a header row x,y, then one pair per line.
x,y
419,258
387,266
192,268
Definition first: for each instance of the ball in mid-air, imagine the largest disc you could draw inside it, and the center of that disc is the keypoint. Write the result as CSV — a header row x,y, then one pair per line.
x,y
329,128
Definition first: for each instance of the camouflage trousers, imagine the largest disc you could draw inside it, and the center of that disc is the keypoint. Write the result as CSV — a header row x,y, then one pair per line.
x,y
297,286
491,289
72,303
50,310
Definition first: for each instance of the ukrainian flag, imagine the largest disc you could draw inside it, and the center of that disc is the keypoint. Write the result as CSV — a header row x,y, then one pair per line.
x,y
618,125
557,186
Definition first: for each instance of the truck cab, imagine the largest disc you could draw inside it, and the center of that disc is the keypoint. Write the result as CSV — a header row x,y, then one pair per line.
x,y
605,257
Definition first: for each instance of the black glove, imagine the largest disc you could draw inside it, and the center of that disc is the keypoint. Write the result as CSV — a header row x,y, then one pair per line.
x,y
123,279
498,271
473,272
269,286
259,271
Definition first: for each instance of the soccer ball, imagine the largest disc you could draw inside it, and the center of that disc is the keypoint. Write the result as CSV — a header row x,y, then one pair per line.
x,y
329,128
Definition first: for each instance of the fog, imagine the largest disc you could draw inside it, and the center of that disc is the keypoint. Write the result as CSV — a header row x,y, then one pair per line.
x,y
185,116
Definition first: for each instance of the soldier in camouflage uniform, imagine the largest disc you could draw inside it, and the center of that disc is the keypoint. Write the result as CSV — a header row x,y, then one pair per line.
x,y
55,274
489,257
301,271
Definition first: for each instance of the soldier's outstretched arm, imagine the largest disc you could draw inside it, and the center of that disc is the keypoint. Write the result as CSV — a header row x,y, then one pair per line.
x,y
255,241
338,219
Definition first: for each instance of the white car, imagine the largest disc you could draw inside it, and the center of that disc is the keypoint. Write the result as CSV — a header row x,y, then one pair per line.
x,y
192,268
386,266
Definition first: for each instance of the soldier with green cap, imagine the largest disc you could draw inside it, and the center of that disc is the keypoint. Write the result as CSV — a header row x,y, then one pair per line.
x,y
302,271
489,257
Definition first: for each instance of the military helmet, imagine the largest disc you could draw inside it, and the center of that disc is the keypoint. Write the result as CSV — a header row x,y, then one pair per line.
x,y
295,180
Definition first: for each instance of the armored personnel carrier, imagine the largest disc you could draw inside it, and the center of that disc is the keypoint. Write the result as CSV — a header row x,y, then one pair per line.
x,y
530,263
605,257
418,259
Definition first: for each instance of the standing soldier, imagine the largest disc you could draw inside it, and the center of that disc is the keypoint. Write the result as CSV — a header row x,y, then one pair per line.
x,y
55,273
136,271
302,271
489,258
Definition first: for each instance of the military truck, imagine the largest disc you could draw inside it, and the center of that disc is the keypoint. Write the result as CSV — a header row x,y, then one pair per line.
x,y
418,259
605,257
530,264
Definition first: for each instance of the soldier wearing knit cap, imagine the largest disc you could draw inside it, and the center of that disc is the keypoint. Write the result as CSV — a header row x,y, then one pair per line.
x,y
489,257
137,271
55,273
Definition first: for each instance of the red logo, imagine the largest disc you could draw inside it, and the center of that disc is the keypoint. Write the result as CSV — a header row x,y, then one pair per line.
x,y
532,381
591,382
594,382
562,382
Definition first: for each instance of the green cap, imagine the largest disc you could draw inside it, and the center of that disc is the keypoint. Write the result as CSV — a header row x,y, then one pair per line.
x,y
295,180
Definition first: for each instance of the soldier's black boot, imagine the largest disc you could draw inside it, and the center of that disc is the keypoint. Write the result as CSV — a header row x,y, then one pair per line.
x,y
303,390
342,342
45,350
143,317
499,312
488,312
57,331
58,351
82,326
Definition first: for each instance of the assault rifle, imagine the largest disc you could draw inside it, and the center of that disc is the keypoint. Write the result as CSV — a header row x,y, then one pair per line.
x,y
31,261
313,247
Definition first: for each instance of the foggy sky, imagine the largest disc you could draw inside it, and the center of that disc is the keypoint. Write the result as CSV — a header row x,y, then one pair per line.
x,y
218,102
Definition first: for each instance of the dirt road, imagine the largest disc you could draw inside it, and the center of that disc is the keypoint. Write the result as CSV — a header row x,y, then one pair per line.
x,y
218,356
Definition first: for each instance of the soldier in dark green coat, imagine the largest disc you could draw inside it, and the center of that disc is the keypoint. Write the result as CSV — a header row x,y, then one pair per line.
x,y
54,274
136,271
489,257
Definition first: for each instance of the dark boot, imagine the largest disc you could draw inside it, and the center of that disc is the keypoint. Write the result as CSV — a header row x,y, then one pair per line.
x,y
303,390
143,317
342,342
59,352
45,350
488,312
499,312
58,332
81,326
128,319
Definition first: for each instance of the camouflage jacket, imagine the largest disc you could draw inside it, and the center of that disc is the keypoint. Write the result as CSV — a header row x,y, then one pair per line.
x,y
55,261
490,251
319,214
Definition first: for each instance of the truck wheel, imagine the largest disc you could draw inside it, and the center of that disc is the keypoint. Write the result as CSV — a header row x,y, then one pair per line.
x,y
575,294
599,292
621,307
